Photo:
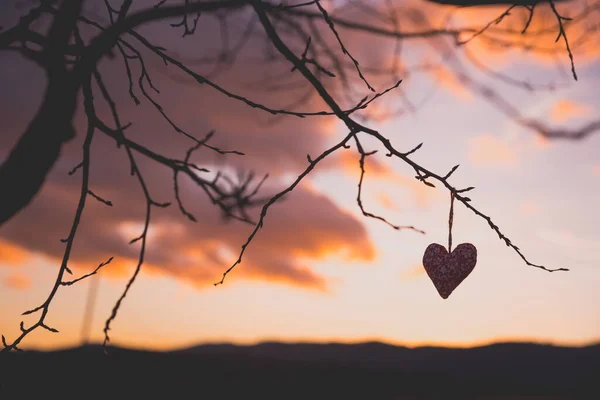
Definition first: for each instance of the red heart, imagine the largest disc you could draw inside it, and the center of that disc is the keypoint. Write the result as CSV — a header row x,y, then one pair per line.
x,y
447,271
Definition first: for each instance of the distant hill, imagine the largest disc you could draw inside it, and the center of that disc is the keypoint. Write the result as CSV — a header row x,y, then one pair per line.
x,y
309,371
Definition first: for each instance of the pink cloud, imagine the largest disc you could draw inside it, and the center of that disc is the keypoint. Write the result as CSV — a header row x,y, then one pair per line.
x,y
306,225
488,150
566,110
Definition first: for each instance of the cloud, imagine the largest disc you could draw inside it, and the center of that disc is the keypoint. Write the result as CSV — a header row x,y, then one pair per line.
x,y
386,201
271,144
488,150
541,33
415,272
17,281
566,110
447,80
304,226
541,143
596,170
11,254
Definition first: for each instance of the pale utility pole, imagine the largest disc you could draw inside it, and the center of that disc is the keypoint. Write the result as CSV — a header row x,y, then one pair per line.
x,y
89,309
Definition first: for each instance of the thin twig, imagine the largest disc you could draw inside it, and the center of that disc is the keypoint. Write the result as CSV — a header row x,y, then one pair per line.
x,y
562,33
312,164
364,155
69,283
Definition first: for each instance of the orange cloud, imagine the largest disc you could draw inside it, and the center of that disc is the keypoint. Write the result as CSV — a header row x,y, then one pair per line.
x,y
446,79
304,226
17,281
349,159
414,272
386,201
487,150
596,170
502,43
541,33
498,48
541,142
12,254
565,110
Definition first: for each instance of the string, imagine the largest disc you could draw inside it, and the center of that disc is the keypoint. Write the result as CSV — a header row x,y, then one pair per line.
x,y
450,220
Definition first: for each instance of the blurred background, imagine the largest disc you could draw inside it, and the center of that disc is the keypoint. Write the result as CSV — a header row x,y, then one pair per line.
x,y
319,271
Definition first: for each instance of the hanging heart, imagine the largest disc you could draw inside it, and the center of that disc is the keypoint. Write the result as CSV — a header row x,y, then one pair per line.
x,y
448,270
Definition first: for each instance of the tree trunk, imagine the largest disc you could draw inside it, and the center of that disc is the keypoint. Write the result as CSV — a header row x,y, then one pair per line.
x,y
24,172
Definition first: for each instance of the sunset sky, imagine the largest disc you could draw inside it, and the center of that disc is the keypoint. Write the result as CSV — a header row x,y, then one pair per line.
x,y
319,270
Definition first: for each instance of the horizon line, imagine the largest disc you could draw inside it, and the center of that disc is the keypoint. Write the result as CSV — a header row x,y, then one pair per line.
x,y
251,343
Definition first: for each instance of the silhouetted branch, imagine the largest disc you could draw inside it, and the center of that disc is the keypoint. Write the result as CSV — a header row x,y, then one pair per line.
x,y
364,155
44,307
337,36
69,283
496,22
562,33
149,202
422,173
100,199
312,164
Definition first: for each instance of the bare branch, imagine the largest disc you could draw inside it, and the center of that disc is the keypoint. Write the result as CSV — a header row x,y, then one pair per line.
x,y
279,195
69,245
364,155
69,283
562,33
346,52
100,199
422,173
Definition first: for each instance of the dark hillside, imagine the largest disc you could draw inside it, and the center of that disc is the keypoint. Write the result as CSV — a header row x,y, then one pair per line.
x,y
307,371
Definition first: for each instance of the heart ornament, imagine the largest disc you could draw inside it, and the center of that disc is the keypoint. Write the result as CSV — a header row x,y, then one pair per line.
x,y
448,270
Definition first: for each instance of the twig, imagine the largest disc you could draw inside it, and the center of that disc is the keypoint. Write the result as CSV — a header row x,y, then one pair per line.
x,y
562,33
69,283
44,307
337,36
364,155
276,197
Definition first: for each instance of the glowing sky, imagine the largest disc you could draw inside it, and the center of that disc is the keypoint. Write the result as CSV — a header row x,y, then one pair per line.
x,y
319,270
